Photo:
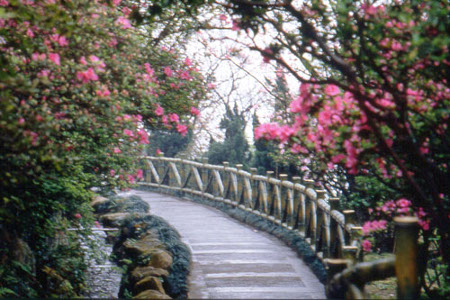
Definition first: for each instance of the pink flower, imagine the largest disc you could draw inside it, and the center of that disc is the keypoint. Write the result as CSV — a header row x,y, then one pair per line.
x,y
143,136
124,22
195,111
174,118
126,11
267,55
188,62
425,224
116,150
54,57
182,129
131,178
332,90
211,86
285,133
112,172
396,45
83,60
185,75
78,216
128,132
94,58
158,152
137,118
298,106
62,41
38,57
116,2
223,18
30,33
236,25
369,9
148,69
168,71
97,224
337,158
159,111
21,121
139,174
403,203
103,93
44,73
296,148
87,75
367,245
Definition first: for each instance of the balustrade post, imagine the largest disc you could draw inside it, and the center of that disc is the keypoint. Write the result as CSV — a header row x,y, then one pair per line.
x,y
406,254
160,169
204,175
282,206
254,185
226,180
182,171
334,266
350,253
334,244
349,215
240,187
309,206
270,200
320,224
299,201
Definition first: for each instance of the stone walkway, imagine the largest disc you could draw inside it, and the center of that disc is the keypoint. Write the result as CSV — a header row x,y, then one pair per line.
x,y
232,260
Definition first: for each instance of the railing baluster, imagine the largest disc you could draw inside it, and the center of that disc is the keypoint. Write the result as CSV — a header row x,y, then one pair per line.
x,y
406,256
334,244
297,207
255,189
320,221
270,200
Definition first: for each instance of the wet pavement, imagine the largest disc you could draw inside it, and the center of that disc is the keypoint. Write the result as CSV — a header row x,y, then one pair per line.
x,y
231,259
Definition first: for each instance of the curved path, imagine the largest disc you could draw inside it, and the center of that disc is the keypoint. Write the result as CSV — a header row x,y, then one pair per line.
x,y
231,259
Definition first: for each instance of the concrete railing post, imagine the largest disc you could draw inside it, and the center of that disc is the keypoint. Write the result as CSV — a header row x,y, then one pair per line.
x,y
333,267
406,255
334,244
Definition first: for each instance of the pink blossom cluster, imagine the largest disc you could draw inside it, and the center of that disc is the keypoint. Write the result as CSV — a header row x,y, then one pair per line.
x,y
366,245
174,118
373,226
273,131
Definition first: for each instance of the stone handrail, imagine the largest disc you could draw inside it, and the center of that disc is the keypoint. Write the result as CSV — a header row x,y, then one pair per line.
x,y
296,205
346,279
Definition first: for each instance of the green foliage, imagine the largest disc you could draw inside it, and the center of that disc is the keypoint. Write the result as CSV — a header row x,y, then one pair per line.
x,y
234,148
78,86
170,142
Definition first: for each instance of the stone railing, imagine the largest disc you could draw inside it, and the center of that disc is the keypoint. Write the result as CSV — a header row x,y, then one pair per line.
x,y
295,205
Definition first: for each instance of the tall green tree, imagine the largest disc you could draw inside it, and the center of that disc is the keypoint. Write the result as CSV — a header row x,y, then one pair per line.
x,y
234,148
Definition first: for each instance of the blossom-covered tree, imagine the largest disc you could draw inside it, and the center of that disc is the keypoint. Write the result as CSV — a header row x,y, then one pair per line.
x,y
374,93
79,89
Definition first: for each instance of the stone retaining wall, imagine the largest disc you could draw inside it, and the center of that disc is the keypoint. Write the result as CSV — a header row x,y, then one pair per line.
x,y
155,260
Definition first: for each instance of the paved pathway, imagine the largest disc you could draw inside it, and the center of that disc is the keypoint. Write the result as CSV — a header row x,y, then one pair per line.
x,y
231,259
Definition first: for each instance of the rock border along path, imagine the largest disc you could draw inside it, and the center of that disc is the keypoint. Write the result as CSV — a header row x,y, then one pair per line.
x,y
232,260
